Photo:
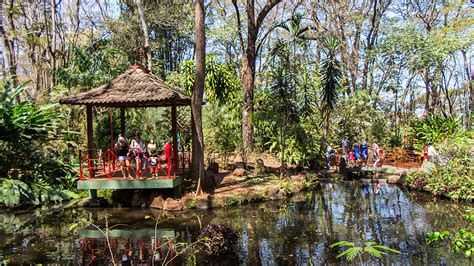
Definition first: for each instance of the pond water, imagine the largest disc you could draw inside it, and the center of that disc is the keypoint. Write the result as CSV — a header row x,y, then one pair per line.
x,y
297,231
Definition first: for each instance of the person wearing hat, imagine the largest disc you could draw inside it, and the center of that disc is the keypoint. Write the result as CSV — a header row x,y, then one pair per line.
x,y
122,149
138,148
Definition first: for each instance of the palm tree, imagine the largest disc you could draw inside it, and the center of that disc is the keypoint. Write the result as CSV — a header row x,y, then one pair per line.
x,y
297,30
330,82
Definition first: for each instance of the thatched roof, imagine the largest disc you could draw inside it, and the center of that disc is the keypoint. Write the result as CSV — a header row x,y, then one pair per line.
x,y
134,88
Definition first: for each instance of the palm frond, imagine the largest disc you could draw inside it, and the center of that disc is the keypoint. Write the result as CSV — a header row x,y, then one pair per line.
x,y
342,244
387,248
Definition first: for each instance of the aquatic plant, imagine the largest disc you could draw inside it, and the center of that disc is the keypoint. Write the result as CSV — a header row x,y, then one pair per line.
x,y
461,241
353,251
218,239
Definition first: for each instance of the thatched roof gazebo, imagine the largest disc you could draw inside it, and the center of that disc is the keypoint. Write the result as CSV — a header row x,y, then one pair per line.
x,y
135,88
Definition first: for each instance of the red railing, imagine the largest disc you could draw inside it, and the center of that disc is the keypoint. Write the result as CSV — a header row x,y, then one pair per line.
x,y
104,163
401,157
398,157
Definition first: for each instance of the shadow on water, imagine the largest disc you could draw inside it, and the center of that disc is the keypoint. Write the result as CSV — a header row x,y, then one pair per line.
x,y
288,232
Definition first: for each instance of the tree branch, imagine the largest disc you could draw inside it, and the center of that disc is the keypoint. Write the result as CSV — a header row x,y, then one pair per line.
x,y
262,40
264,12
239,25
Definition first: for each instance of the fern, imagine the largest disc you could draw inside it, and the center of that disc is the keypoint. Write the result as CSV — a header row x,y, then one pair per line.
x,y
354,251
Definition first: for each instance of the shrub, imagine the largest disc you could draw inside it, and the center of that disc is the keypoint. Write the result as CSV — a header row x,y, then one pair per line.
x,y
453,174
31,167
434,129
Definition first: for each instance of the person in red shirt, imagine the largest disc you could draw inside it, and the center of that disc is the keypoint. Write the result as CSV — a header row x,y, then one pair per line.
x,y
168,148
425,152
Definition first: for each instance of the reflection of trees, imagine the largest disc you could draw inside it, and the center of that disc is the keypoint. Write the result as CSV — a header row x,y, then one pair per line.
x,y
281,232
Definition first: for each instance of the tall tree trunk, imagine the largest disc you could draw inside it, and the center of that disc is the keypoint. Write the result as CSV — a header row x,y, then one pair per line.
x,y
205,184
53,45
2,64
370,42
248,80
9,42
324,137
145,35
470,85
427,92
249,58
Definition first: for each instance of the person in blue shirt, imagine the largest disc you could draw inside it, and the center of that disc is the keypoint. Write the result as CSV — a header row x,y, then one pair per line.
x,y
364,148
357,153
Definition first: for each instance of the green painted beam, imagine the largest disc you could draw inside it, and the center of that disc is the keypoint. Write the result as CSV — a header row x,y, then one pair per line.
x,y
373,169
139,234
129,184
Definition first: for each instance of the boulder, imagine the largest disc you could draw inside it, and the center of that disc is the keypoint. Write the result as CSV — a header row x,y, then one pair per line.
x,y
157,203
275,193
393,179
254,196
298,178
172,205
204,204
280,195
188,201
397,179
239,172
297,187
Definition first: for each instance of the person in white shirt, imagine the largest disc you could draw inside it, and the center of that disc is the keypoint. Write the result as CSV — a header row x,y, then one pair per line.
x,y
376,152
432,153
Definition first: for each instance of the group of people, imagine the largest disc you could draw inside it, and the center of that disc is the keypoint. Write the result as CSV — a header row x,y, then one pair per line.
x,y
358,155
142,155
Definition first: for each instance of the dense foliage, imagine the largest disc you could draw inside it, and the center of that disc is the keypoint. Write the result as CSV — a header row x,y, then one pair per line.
x,y
453,172
314,73
433,129
30,169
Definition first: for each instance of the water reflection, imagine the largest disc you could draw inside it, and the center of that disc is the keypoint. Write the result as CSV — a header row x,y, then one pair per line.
x,y
296,231
128,247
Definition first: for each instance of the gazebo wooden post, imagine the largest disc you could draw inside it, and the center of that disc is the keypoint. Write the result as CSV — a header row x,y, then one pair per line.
x,y
174,131
90,148
122,122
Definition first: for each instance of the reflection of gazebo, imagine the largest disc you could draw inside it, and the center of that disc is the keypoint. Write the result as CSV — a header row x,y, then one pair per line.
x,y
136,88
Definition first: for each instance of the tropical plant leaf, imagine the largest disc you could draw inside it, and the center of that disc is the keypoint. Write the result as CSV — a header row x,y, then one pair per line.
x,y
374,252
342,244
386,248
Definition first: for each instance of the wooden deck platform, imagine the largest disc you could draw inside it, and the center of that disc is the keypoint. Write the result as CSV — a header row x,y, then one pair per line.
x,y
104,183
120,183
